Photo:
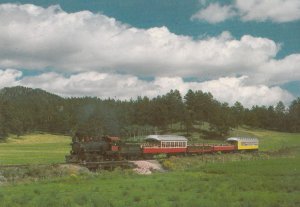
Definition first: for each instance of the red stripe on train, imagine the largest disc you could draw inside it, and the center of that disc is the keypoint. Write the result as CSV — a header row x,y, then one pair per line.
x,y
158,150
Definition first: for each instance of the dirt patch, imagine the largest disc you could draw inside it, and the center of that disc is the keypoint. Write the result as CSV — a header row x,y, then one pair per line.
x,y
146,167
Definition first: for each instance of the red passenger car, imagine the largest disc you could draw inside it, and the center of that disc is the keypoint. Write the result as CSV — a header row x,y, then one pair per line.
x,y
164,144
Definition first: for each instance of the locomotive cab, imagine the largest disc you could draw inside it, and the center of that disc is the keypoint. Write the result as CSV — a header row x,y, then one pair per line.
x,y
114,143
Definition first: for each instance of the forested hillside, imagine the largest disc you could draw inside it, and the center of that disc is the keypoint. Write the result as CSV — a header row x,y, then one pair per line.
x,y
24,110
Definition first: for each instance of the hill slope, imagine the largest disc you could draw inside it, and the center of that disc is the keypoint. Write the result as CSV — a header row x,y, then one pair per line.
x,y
34,149
24,94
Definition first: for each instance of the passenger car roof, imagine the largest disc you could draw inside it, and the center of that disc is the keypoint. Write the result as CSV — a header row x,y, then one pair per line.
x,y
242,139
166,138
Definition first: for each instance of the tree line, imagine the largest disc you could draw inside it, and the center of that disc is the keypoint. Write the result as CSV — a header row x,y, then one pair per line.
x,y
25,110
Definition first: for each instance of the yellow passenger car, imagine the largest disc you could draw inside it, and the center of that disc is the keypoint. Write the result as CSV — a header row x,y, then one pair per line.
x,y
243,143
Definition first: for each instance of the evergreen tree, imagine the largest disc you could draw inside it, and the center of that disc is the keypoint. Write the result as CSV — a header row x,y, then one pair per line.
x,y
25,110
294,116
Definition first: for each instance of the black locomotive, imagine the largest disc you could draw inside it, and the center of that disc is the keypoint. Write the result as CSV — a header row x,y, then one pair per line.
x,y
98,149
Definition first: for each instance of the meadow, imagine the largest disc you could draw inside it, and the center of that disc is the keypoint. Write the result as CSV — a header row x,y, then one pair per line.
x,y
273,182
34,149
270,178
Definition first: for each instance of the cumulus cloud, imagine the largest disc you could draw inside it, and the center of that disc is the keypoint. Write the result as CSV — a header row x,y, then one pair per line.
x,y
33,37
9,77
232,89
214,13
279,71
124,87
275,10
252,10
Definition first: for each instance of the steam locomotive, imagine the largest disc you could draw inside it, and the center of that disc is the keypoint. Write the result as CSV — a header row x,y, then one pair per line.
x,y
108,148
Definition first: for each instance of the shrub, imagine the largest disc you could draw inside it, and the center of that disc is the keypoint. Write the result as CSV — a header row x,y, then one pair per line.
x,y
2,179
168,164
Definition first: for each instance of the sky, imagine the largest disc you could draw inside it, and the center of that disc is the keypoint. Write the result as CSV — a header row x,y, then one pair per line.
x,y
246,51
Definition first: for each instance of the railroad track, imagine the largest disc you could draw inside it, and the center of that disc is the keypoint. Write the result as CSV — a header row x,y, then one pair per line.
x,y
97,165
90,165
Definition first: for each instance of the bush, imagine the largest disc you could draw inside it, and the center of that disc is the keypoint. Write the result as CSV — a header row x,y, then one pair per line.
x,y
2,179
41,172
168,164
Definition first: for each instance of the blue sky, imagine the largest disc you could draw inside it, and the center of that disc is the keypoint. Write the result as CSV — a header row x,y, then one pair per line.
x,y
264,63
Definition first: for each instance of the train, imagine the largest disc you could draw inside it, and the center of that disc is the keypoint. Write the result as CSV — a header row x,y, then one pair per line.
x,y
109,148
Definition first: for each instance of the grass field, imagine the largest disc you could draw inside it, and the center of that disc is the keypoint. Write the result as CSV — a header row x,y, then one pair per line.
x,y
35,148
262,183
211,180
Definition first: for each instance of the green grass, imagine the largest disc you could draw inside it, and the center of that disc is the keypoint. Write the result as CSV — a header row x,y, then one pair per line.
x,y
35,148
264,183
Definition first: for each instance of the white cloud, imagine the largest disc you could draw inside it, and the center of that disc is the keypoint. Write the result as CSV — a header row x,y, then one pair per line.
x,y
275,72
252,10
232,89
33,37
215,13
9,77
104,85
274,10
